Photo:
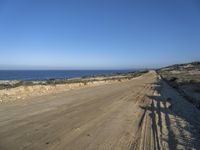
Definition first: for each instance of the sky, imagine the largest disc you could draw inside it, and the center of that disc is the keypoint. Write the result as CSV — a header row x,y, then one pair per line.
x,y
98,34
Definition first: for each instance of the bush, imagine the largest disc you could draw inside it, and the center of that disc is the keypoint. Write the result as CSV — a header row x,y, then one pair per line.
x,y
172,79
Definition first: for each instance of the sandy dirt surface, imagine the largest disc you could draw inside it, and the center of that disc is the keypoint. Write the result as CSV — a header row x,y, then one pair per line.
x,y
143,113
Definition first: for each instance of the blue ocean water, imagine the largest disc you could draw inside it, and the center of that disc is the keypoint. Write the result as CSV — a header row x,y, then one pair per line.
x,y
52,74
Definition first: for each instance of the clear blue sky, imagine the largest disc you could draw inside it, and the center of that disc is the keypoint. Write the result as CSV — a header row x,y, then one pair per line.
x,y
98,34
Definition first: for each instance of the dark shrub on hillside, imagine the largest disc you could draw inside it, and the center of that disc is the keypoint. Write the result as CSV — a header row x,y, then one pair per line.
x,y
172,79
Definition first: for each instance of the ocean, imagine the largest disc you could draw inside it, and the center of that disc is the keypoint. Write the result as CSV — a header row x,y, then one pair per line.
x,y
53,74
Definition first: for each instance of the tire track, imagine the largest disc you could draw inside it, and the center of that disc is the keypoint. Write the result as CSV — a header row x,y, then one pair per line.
x,y
142,138
149,133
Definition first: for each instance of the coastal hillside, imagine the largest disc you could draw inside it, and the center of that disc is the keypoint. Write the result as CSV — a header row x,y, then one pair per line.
x,y
185,78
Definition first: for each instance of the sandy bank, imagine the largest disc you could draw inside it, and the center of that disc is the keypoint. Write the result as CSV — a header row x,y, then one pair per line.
x,y
22,92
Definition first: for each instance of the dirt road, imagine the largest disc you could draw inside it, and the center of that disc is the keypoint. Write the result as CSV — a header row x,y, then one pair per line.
x,y
143,113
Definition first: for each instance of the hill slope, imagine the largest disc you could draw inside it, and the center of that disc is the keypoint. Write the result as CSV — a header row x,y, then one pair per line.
x,y
185,78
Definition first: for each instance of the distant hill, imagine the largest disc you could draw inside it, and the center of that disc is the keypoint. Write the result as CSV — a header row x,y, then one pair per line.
x,y
183,67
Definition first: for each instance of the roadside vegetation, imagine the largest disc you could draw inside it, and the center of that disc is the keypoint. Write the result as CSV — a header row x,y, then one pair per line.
x,y
185,78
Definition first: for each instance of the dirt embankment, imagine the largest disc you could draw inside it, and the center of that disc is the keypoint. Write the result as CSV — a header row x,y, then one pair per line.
x,y
23,92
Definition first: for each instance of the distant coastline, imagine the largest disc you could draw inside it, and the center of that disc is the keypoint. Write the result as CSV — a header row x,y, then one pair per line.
x,y
39,75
